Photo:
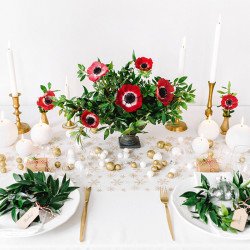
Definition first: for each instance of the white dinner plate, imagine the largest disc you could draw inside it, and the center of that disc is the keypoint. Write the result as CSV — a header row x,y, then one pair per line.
x,y
184,211
8,227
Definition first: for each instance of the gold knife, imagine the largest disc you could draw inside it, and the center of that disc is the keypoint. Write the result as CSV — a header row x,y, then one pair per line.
x,y
84,213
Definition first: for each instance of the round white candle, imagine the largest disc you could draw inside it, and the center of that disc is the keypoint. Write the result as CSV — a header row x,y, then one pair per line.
x,y
209,129
8,132
215,50
12,73
67,92
24,147
182,56
238,137
41,133
200,145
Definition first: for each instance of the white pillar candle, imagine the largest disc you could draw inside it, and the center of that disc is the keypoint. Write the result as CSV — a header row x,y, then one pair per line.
x,y
182,57
209,129
12,74
24,147
200,145
67,92
215,50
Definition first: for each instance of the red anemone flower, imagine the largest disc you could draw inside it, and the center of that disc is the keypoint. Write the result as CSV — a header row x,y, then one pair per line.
x,y
45,102
164,91
89,119
129,97
229,102
96,71
143,63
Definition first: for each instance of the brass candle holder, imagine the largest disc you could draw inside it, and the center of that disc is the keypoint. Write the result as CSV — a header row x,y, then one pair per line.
x,y
69,125
209,111
177,126
21,126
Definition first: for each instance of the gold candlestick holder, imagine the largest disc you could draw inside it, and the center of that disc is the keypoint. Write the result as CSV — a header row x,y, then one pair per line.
x,y
21,126
209,111
69,125
177,126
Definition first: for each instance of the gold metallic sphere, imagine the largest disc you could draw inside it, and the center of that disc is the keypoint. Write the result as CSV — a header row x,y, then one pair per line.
x,y
2,157
170,175
20,166
94,130
71,166
2,164
164,163
118,167
98,150
160,144
110,166
156,162
133,164
3,170
159,166
167,146
210,154
56,152
150,154
242,159
57,164
154,168
19,160
211,143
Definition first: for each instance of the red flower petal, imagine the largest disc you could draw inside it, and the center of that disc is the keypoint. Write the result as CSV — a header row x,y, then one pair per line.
x,y
164,91
89,119
229,102
143,63
45,102
96,71
129,97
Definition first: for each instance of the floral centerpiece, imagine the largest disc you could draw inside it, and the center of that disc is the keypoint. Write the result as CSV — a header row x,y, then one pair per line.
x,y
126,100
229,102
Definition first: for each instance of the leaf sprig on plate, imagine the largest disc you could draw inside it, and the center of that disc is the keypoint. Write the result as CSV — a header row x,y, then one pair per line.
x,y
204,206
31,189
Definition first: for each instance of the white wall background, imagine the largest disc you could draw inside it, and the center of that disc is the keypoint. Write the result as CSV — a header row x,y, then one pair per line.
x,y
49,38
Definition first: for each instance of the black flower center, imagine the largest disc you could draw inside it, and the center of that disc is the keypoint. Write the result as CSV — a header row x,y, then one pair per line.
x,y
229,102
129,98
90,120
162,92
47,100
97,70
144,65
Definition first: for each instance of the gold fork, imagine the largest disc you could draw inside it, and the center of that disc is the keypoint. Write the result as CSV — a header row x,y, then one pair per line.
x,y
84,213
164,200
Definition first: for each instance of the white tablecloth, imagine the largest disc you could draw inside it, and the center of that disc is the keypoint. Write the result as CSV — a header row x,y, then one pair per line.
x,y
120,218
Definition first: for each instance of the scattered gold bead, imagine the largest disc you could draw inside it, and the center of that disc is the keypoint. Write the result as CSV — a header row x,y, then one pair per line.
x,y
2,164
20,166
170,175
133,164
71,166
242,159
160,144
94,130
2,157
211,143
110,166
56,152
19,160
210,154
98,150
150,154
159,166
167,146
57,164
156,162
154,168
164,163
3,170
118,167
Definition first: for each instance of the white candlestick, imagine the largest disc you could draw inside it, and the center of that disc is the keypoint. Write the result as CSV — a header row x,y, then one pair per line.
x,y
12,73
182,56
215,50
67,92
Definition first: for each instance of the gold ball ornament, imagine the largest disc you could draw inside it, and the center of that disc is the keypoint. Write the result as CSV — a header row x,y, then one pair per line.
x,y
110,166
133,165
94,130
211,143
210,154
56,152
168,146
71,166
118,167
2,157
57,164
150,154
159,166
154,168
98,150
164,163
3,170
156,162
160,144
19,160
242,159
170,175
20,166
2,164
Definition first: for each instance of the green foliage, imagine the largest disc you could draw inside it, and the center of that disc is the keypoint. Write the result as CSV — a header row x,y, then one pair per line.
x,y
204,207
31,188
101,100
